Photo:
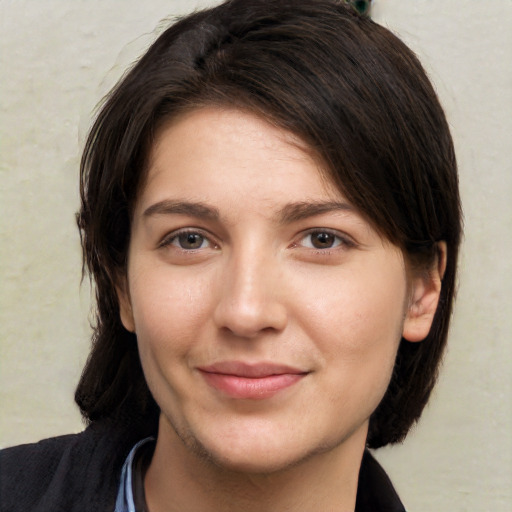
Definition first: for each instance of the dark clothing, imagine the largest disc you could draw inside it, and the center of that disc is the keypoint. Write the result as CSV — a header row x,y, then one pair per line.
x,y
72,473
375,492
81,473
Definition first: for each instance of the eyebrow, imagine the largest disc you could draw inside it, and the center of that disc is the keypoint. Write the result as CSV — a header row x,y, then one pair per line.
x,y
292,212
298,211
194,209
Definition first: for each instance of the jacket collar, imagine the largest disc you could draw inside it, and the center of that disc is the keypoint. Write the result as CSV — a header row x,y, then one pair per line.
x,y
375,492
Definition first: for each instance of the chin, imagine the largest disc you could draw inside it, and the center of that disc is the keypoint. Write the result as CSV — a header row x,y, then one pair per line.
x,y
256,460
262,452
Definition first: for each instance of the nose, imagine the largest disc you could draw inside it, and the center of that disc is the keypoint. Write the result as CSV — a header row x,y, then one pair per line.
x,y
251,300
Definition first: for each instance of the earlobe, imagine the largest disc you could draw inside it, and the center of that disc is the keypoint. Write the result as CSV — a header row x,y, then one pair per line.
x,y
125,305
425,293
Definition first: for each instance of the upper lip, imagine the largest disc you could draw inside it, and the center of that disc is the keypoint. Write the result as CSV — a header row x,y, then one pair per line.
x,y
250,370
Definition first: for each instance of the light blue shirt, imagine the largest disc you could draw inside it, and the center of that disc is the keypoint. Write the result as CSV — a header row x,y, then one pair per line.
x,y
124,500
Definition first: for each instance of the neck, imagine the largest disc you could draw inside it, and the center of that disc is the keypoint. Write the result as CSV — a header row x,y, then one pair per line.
x,y
179,479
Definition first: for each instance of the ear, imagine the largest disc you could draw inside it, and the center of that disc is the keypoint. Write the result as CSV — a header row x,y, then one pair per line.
x,y
125,304
425,292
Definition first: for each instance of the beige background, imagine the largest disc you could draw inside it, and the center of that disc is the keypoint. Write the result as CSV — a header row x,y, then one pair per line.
x,y
58,57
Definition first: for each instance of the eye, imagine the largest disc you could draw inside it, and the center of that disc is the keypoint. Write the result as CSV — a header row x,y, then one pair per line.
x,y
322,239
188,241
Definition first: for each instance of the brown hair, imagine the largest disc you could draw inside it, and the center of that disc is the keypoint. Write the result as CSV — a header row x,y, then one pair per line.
x,y
347,87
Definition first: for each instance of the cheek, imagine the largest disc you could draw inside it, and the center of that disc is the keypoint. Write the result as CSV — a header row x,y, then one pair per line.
x,y
356,324
171,312
359,311
169,308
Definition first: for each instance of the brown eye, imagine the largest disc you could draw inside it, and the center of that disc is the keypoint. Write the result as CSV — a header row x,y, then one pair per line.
x,y
323,240
190,241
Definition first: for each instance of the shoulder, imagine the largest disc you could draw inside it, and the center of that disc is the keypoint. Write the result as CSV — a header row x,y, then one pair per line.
x,y
72,473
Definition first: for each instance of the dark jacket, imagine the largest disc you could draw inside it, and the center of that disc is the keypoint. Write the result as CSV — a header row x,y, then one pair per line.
x,y
80,473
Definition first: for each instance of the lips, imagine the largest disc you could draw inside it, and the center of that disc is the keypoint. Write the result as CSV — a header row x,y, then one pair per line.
x,y
250,381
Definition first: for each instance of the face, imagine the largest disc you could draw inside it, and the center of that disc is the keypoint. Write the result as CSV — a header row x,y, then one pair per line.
x,y
267,310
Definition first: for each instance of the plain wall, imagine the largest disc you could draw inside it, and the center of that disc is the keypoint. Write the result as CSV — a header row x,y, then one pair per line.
x,y
58,58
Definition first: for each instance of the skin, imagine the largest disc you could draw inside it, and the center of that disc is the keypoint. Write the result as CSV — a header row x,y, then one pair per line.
x,y
242,251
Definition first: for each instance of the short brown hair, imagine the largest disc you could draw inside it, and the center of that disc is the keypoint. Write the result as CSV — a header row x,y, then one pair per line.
x,y
351,90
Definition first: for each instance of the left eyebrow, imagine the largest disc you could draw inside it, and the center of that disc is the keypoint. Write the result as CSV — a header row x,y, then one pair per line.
x,y
298,211
194,209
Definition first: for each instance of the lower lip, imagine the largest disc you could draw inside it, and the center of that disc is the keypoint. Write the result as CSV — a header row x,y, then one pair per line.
x,y
251,388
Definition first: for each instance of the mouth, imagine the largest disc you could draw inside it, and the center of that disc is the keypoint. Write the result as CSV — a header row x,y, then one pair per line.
x,y
250,381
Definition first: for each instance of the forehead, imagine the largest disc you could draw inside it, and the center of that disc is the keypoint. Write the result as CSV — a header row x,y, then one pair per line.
x,y
228,152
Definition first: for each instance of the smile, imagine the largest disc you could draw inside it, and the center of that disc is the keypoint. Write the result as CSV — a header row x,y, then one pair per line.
x,y
256,382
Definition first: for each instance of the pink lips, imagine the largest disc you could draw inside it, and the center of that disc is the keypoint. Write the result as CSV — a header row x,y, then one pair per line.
x,y
250,381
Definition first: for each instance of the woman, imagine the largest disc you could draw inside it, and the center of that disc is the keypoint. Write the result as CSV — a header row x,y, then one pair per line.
x,y
270,214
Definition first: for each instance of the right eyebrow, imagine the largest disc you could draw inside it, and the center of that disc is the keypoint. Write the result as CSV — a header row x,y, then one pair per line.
x,y
194,209
297,211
